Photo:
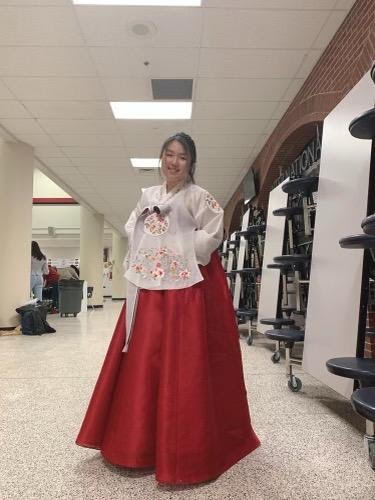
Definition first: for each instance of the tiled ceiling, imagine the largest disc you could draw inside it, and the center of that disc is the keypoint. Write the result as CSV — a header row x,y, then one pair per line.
x,y
60,65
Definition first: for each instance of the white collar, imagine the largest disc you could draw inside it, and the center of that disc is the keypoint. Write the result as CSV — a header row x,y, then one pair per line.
x,y
164,196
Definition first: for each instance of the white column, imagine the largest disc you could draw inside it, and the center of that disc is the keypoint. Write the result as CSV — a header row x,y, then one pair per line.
x,y
16,193
91,253
119,249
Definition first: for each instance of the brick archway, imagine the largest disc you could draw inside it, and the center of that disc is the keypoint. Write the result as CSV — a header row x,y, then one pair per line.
x,y
291,144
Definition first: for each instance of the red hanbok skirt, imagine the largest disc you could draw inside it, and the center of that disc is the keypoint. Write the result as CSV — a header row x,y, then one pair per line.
x,y
176,401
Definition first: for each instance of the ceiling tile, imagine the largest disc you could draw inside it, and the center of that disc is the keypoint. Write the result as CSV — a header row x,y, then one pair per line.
x,y
36,140
207,164
240,89
21,126
308,63
233,110
35,25
168,27
113,172
5,92
127,89
47,151
79,126
65,171
76,152
45,61
82,140
95,163
162,63
247,63
228,126
293,89
161,127
344,4
57,163
146,140
36,2
13,109
331,26
224,152
271,126
69,110
271,4
143,152
261,29
280,110
56,89
220,140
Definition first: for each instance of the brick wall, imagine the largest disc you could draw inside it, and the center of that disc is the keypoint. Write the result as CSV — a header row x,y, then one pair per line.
x,y
346,59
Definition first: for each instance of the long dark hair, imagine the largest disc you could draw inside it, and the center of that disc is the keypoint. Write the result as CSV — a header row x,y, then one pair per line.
x,y
35,251
189,147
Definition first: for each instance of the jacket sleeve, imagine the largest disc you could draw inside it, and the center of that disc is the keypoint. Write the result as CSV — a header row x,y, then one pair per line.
x,y
209,217
130,224
129,228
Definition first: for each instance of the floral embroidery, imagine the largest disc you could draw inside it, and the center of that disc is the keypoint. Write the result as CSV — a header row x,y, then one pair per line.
x,y
212,203
157,263
156,224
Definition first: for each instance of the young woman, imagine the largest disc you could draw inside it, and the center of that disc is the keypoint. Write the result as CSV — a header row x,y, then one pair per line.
x,y
171,393
39,267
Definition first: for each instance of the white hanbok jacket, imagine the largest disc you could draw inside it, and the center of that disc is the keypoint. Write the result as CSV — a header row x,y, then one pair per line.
x,y
170,234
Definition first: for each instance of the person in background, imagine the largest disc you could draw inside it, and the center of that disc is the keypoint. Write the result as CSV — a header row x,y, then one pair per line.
x,y
38,269
52,281
75,269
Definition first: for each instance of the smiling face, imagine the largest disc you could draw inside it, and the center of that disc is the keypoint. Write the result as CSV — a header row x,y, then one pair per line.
x,y
175,164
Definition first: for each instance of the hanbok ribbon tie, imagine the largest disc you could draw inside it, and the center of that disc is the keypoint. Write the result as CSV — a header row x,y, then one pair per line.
x,y
159,209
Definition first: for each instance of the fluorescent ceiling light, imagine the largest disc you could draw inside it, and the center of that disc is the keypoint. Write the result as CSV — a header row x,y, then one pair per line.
x,y
145,162
160,110
160,3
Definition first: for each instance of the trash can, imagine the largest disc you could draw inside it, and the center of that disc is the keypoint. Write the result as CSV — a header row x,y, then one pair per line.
x,y
70,297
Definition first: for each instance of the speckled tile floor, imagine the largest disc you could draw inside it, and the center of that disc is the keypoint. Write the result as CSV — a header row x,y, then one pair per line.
x,y
312,442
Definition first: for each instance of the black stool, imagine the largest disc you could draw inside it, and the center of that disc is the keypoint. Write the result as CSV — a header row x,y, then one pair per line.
x,y
248,315
363,402
288,338
302,185
363,126
299,263
288,310
362,370
277,324
368,225
248,270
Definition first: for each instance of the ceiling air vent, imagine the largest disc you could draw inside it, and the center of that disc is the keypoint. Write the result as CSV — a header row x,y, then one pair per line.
x,y
172,89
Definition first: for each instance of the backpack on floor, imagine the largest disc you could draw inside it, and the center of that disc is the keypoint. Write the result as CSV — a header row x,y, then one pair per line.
x,y
33,320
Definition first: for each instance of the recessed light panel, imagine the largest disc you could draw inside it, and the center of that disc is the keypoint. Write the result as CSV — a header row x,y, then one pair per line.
x,y
145,162
145,3
152,110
